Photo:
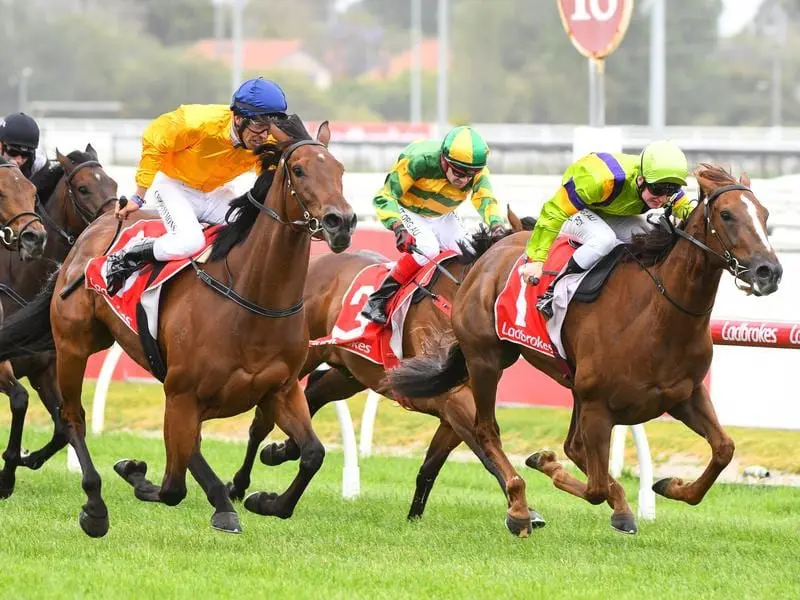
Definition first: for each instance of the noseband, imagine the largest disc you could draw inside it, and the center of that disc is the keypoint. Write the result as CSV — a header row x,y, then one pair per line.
x,y
8,238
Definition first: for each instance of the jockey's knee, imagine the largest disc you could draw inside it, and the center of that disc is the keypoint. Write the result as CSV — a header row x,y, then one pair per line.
x,y
174,246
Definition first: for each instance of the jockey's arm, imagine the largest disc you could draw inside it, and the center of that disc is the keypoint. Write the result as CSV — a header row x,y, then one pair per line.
x,y
166,134
682,206
484,201
397,183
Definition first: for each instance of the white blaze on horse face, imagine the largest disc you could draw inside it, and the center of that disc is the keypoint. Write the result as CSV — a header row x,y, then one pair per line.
x,y
321,157
97,176
751,210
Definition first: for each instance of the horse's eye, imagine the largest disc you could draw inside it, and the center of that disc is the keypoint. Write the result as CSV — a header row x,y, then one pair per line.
x,y
726,215
83,189
298,171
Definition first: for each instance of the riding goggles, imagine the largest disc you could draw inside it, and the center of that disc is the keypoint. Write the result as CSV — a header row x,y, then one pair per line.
x,y
664,188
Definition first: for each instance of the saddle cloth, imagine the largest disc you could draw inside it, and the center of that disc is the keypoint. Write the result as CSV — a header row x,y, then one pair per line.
x,y
145,285
382,345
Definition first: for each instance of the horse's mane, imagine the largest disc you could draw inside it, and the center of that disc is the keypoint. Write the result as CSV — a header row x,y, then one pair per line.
x,y
654,246
242,214
47,179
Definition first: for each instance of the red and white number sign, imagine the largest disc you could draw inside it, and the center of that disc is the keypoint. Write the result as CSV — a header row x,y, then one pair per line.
x,y
595,27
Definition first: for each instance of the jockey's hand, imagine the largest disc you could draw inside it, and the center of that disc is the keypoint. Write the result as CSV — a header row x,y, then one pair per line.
x,y
497,232
531,272
124,207
403,240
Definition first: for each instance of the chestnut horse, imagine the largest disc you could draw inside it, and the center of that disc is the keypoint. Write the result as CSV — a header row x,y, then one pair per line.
x,y
75,191
640,350
329,278
233,338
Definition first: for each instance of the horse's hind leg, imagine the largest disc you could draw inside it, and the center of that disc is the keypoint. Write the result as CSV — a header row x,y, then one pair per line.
x,y
622,519
259,429
12,457
225,517
323,386
44,382
292,416
442,444
699,415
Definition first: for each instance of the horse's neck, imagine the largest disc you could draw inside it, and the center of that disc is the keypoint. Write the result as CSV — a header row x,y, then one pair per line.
x,y
271,264
56,207
691,275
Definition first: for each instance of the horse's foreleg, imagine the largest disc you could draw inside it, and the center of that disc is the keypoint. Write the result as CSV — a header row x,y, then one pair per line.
x,y
225,517
44,382
259,429
12,457
323,387
699,415
442,444
293,417
181,440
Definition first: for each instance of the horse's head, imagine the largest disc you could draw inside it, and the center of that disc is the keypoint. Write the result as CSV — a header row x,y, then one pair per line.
x,y
20,227
736,229
314,179
88,190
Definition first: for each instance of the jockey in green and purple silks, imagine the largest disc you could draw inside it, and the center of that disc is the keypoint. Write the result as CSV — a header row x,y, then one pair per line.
x,y
602,198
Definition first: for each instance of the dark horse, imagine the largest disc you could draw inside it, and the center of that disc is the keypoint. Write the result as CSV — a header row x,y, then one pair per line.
x,y
75,190
227,346
640,350
329,278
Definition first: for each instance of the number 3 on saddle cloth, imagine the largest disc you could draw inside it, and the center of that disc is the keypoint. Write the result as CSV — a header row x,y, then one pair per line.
x,y
143,287
516,317
380,344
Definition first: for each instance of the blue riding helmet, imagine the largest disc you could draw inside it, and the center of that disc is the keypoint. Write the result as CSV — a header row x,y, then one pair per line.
x,y
258,98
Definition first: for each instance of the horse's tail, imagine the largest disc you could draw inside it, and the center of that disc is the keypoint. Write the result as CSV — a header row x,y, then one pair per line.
x,y
435,372
28,331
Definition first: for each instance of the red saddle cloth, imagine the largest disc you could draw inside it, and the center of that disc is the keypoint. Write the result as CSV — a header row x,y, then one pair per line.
x,y
148,278
376,343
515,315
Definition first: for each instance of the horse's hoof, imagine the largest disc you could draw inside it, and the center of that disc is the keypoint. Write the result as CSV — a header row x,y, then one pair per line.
x,y
264,503
535,460
519,527
7,483
660,487
227,522
272,455
234,493
624,523
127,466
95,527
537,520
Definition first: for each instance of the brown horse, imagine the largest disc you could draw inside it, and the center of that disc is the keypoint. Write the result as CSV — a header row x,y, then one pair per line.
x,y
227,346
329,278
76,190
640,350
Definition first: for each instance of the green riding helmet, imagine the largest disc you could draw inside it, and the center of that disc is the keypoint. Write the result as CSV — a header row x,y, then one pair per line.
x,y
464,147
663,161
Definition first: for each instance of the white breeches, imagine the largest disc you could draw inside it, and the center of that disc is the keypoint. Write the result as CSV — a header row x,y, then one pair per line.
x,y
183,208
434,234
598,235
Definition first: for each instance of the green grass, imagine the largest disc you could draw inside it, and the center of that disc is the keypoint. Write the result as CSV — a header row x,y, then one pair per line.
x,y
741,542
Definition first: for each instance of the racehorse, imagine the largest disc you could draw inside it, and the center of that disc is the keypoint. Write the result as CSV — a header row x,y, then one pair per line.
x,y
76,190
329,278
640,350
227,346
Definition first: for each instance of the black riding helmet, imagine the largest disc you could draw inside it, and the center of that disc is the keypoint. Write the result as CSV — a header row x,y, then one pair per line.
x,y
20,131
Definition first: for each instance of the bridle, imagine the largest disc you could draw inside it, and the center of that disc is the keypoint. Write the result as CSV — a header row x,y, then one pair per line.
x,y
309,224
80,209
729,261
8,238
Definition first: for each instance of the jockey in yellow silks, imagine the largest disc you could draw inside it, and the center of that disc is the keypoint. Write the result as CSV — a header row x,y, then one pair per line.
x,y
417,202
189,158
602,199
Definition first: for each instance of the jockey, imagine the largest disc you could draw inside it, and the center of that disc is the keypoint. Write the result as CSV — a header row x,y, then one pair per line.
x,y
189,158
427,183
19,140
602,198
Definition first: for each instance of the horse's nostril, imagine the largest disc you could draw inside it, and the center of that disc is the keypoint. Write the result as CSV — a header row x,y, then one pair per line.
x,y
353,221
30,238
764,272
332,221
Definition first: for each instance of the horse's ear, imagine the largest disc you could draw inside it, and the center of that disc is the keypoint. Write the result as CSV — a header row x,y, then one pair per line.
x,y
65,161
744,179
324,133
91,151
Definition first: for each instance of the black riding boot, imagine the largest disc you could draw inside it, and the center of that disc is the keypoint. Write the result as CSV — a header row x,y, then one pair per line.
x,y
375,308
545,303
125,263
